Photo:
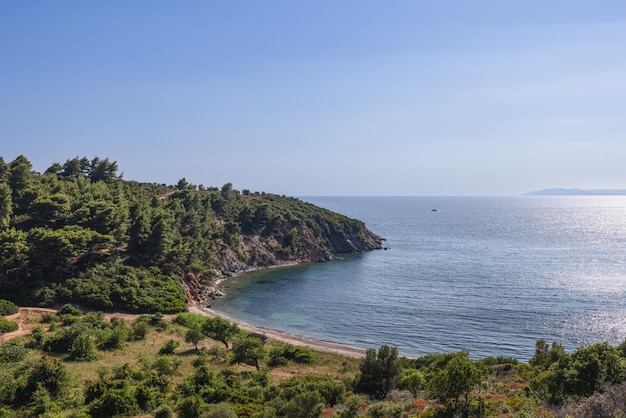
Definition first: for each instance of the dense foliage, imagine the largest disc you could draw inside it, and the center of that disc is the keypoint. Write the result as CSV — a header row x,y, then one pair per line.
x,y
80,233
7,307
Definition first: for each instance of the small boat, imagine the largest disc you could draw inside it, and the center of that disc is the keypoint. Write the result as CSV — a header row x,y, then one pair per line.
x,y
433,210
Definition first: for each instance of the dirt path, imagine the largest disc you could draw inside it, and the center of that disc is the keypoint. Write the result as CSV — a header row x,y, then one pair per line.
x,y
21,317
24,314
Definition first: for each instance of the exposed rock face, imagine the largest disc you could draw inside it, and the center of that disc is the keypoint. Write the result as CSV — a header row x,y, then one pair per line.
x,y
364,240
255,252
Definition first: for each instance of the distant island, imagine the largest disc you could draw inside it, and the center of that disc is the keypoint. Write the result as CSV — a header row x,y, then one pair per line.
x,y
578,192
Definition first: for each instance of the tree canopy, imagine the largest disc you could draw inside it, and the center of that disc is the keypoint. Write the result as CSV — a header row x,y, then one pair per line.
x,y
81,233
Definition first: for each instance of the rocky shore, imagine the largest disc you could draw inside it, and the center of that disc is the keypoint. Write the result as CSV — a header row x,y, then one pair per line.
x,y
255,254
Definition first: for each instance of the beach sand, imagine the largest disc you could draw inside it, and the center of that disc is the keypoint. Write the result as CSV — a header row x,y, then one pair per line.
x,y
286,337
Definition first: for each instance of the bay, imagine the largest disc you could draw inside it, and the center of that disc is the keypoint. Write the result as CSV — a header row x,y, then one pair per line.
x,y
490,275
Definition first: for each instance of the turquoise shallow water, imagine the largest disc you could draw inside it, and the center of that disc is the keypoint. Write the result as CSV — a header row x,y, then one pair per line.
x,y
486,274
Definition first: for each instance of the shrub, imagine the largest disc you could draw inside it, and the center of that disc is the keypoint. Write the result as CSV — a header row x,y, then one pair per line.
x,y
169,347
298,354
493,361
385,410
69,309
220,410
113,338
305,405
166,365
139,329
7,307
412,381
48,318
164,411
158,322
7,326
37,338
50,374
83,348
279,356
353,405
452,385
202,359
114,402
12,352
217,352
189,319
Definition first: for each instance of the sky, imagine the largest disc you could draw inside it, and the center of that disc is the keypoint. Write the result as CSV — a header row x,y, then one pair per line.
x,y
324,97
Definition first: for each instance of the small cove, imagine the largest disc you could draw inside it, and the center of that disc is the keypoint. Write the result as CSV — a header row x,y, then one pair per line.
x,y
488,275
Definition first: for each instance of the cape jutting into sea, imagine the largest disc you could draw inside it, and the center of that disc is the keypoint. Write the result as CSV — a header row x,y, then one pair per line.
x,y
490,275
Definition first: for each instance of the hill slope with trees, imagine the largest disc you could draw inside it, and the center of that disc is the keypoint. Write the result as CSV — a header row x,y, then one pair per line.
x,y
80,233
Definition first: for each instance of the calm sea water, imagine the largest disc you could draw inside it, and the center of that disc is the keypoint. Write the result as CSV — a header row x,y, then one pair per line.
x,y
488,275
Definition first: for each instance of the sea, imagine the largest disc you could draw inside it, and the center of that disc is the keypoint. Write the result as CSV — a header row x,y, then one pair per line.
x,y
489,275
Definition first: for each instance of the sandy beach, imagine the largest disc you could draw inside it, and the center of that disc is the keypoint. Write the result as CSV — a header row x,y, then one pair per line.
x,y
286,337
25,312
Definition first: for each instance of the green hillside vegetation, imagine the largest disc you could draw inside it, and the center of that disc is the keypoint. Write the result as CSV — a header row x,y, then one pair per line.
x,y
76,364
80,233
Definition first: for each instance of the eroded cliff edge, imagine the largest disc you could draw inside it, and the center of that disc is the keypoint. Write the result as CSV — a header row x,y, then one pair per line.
x,y
317,236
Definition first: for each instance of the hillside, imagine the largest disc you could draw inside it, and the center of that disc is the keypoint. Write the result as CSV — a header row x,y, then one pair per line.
x,y
80,233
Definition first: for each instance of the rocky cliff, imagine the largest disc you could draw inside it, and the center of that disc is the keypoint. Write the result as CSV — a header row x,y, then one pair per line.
x,y
300,245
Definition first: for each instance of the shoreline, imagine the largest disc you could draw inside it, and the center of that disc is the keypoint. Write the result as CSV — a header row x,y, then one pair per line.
x,y
24,312
217,291
286,337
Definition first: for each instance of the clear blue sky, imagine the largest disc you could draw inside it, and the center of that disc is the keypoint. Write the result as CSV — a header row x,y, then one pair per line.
x,y
324,97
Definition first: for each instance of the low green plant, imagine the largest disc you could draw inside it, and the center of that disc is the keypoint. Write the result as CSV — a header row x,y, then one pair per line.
x,y
169,347
7,307
7,326
12,352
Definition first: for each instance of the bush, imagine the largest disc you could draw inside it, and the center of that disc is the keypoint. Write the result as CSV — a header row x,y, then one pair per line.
x,y
220,410
189,319
139,329
412,380
385,410
83,348
70,310
12,352
279,356
158,322
7,307
169,347
493,361
113,338
7,326
48,318
353,405
114,402
298,354
306,404
166,365
164,411
453,384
